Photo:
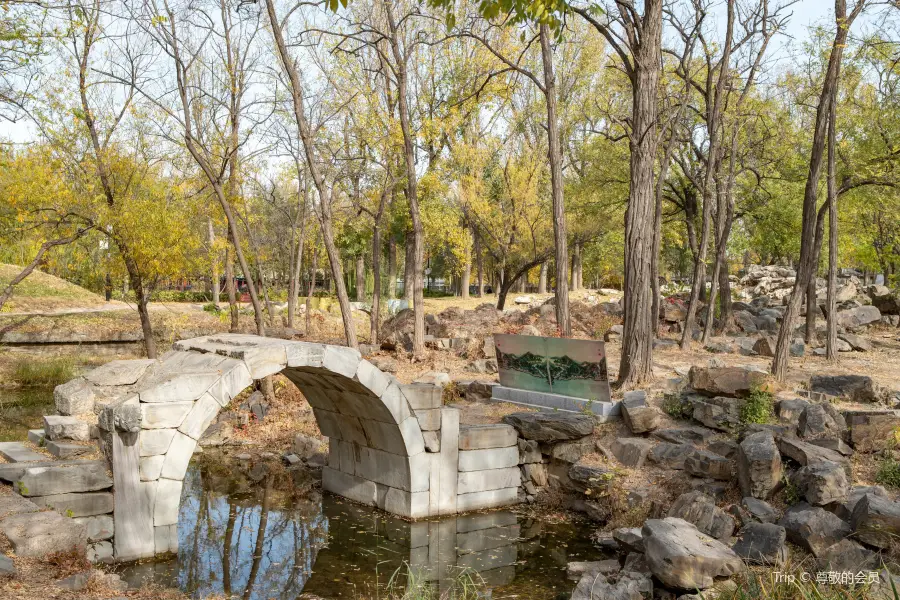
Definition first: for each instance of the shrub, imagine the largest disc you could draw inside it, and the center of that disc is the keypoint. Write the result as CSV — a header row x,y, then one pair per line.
x,y
676,407
888,473
758,408
33,372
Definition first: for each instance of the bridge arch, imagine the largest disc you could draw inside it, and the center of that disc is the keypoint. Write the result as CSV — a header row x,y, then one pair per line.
x,y
376,426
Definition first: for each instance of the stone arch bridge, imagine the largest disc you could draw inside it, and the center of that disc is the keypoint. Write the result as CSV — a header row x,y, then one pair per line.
x,y
391,445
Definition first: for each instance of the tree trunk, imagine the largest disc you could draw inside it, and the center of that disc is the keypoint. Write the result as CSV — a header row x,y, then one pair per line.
x,y
637,336
214,260
296,272
576,266
812,309
724,297
464,280
542,279
392,268
556,187
361,278
831,323
409,268
808,257
312,286
142,299
479,262
229,288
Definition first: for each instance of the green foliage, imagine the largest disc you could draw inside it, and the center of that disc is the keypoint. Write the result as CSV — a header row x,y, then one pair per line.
x,y
758,408
181,296
47,372
791,493
676,407
888,473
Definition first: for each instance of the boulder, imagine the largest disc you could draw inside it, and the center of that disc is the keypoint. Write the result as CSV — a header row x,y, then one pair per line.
x,y
762,544
685,435
858,388
835,444
75,397
700,510
844,509
722,413
857,342
790,409
848,556
765,345
7,568
550,426
759,465
876,521
569,452
873,432
813,528
66,428
637,414
631,452
726,381
820,420
590,480
822,483
483,366
847,292
760,510
305,446
743,319
627,586
726,448
805,453
669,455
885,300
702,463
40,533
630,539
859,316
682,557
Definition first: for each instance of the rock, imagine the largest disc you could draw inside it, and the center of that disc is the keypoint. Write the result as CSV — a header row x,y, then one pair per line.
x,y
66,428
835,444
64,478
805,453
857,342
305,446
820,420
847,556
844,509
550,427
797,348
684,435
822,483
858,388
765,345
631,452
876,521
7,568
482,366
872,432
529,451
536,473
576,570
682,557
762,544
433,377
637,414
760,510
726,381
790,409
885,300
857,317
701,463
672,456
589,479
217,434
570,452
813,528
712,488
726,448
385,363
75,397
700,510
629,586
720,412
40,533
76,582
744,321
759,465
630,539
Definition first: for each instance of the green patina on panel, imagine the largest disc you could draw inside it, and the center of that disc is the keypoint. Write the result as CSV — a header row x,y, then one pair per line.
x,y
563,366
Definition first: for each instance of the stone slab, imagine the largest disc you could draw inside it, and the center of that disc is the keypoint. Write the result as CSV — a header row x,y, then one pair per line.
x,y
156,441
119,372
168,499
78,476
492,458
36,436
349,486
493,479
134,527
13,504
479,437
99,527
547,401
423,396
177,457
57,427
41,533
165,539
429,419
201,415
489,499
19,452
78,505
68,449
164,415
444,474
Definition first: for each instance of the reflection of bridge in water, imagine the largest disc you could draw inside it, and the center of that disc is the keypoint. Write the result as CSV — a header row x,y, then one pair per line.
x,y
256,542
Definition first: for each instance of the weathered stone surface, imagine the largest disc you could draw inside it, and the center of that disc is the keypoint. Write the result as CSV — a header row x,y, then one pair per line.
x,y
822,483
848,556
19,452
156,441
759,465
682,557
119,372
820,420
7,567
629,585
760,510
702,463
69,449
168,498
813,528
529,451
806,453
720,412
671,455
685,435
482,481
857,342
66,428
699,509
40,533
637,414
81,476
726,381
762,544
164,415
590,479
570,451
726,448
876,521
872,432
790,409
844,509
857,317
99,527
536,473
75,397
859,388
177,457
477,437
550,427
493,458
631,452
629,539
835,444
78,505
123,414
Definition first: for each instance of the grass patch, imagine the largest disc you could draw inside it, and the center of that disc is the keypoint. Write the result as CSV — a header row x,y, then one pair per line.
x,y
42,285
759,407
49,372
408,583
677,407
888,473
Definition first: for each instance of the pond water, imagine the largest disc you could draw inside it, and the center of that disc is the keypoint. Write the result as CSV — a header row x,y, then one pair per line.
x,y
262,540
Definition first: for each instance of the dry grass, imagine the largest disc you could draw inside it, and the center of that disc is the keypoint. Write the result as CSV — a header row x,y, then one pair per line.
x,y
40,291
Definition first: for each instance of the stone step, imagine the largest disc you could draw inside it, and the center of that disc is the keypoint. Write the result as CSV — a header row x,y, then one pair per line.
x,y
12,472
69,449
59,427
17,452
60,478
36,436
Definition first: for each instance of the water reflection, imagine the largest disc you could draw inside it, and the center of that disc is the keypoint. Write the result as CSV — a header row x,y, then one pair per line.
x,y
250,540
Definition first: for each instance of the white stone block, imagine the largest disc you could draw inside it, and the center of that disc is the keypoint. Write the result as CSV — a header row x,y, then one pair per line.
x,y
134,525
178,387
99,527
413,505
151,467
178,457
432,441
264,360
165,415
479,437
156,441
423,396
201,415
405,439
119,372
75,397
168,499
66,428
444,473
489,499
492,458
429,419
234,379
393,399
483,481
371,377
349,486
328,423
165,538
341,360
304,354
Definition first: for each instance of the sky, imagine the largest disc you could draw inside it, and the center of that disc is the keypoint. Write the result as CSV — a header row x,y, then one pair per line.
x,y
806,14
